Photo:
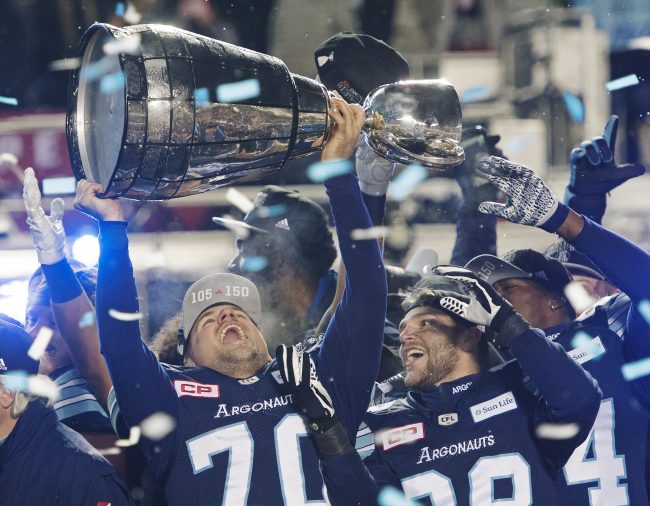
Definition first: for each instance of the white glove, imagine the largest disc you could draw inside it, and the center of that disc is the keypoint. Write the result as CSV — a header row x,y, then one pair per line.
x,y
530,201
373,171
47,231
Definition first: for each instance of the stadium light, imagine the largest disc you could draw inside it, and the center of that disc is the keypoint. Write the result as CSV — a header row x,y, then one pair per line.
x,y
86,250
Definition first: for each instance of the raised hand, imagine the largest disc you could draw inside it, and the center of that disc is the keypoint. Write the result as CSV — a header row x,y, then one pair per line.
x,y
47,231
308,393
593,170
87,201
530,201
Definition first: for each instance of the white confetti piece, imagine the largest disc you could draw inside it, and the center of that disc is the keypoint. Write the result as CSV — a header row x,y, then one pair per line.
x,y
238,91
39,344
622,82
242,229
634,370
87,320
125,317
9,100
557,431
16,381
239,200
423,261
128,45
134,438
578,297
407,181
42,386
107,452
157,426
365,234
322,171
64,64
131,15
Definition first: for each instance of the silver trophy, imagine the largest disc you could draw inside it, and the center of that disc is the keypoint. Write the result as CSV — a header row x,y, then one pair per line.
x,y
155,112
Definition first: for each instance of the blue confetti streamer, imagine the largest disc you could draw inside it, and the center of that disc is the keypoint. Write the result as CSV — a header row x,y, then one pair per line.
x,y
644,308
254,264
390,496
322,171
9,100
202,96
95,70
475,94
634,370
574,107
407,181
238,91
16,381
120,9
588,344
87,320
622,82
112,82
270,211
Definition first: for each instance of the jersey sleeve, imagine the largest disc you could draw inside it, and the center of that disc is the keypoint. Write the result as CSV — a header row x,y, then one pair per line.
x,y
348,359
476,234
142,387
626,266
567,394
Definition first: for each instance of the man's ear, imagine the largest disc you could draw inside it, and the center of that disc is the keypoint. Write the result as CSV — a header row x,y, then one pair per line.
x,y
471,337
6,398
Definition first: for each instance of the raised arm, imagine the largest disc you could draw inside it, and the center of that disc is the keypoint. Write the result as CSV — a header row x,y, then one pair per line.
x,y
70,304
531,202
142,386
352,345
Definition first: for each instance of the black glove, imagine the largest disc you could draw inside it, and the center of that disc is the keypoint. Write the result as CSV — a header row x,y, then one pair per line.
x,y
483,305
593,169
311,398
477,145
308,393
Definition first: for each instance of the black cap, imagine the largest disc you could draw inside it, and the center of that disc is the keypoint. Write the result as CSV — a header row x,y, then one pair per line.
x,y
573,260
14,344
355,64
522,263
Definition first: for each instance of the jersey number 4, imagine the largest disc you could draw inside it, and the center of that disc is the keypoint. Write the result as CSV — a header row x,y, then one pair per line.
x,y
603,466
237,440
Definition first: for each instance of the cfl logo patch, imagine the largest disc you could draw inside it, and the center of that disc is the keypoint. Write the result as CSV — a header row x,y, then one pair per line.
x,y
401,435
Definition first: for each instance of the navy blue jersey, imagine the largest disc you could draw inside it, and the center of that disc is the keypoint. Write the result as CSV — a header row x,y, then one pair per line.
x,y
241,441
473,441
609,467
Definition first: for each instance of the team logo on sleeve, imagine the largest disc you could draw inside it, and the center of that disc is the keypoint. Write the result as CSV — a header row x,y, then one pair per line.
x,y
194,389
400,435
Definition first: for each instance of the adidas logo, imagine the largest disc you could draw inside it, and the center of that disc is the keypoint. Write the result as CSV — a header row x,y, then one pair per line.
x,y
3,367
283,224
322,60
